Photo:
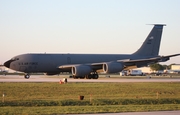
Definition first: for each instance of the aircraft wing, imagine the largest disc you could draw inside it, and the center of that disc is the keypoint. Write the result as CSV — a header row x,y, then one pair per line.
x,y
127,63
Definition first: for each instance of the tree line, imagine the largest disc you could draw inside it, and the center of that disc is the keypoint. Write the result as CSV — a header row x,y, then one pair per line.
x,y
157,67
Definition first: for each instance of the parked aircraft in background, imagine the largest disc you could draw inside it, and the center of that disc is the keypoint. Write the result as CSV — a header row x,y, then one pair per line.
x,y
89,65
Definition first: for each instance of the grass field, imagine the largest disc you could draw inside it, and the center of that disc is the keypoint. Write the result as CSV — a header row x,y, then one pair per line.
x,y
54,98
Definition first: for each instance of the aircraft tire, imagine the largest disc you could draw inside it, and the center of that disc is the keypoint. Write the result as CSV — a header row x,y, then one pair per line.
x,y
88,76
81,77
95,76
27,76
75,77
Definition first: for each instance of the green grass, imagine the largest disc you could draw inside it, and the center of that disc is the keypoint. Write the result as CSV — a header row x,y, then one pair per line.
x,y
49,98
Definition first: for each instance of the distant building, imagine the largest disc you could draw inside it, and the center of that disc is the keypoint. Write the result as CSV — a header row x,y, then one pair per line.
x,y
175,67
147,70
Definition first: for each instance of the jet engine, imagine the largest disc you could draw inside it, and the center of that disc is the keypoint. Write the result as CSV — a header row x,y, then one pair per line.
x,y
112,67
81,70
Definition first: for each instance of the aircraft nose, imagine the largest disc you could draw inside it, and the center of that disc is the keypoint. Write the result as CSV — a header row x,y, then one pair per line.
x,y
8,63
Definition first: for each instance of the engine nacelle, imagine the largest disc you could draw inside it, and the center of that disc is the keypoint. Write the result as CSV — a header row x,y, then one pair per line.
x,y
81,70
113,67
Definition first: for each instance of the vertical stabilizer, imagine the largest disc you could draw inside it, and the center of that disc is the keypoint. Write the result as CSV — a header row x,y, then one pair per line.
x,y
151,45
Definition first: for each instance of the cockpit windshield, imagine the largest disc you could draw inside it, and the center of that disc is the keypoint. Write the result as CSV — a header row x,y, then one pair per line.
x,y
14,59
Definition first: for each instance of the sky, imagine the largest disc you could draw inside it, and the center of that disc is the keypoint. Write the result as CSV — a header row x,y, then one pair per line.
x,y
86,26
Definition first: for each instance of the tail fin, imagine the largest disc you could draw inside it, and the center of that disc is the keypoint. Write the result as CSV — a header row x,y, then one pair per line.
x,y
151,45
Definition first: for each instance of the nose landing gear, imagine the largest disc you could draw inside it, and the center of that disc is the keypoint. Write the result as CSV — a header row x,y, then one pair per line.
x,y
26,76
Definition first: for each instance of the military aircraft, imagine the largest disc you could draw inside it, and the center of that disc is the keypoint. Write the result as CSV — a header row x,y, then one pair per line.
x,y
89,65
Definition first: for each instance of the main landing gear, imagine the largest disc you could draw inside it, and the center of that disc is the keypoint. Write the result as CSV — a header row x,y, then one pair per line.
x,y
90,76
26,76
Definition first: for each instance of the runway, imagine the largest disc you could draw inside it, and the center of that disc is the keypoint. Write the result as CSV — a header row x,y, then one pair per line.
x,y
42,78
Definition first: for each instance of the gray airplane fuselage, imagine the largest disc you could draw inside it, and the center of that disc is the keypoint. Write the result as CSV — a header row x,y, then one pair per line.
x,y
49,63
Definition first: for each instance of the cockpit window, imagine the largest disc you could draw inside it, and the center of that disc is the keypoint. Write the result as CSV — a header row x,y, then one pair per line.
x,y
15,58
